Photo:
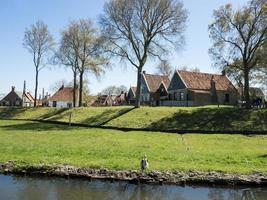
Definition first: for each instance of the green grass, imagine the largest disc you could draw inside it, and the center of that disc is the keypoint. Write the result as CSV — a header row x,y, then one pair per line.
x,y
90,116
199,118
210,118
31,143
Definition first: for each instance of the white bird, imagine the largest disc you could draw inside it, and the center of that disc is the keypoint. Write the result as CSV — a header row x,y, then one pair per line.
x,y
144,163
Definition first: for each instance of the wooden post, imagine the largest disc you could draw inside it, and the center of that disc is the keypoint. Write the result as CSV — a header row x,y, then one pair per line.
x,y
70,115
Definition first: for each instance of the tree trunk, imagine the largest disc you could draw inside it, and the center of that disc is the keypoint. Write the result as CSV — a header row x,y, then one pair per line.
x,y
246,87
36,87
74,88
81,90
138,89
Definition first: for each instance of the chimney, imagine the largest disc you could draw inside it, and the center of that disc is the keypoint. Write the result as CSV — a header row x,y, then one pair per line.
x,y
24,87
223,72
213,91
144,72
62,87
13,88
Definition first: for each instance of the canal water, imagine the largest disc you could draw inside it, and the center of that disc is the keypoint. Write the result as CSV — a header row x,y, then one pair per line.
x,y
31,188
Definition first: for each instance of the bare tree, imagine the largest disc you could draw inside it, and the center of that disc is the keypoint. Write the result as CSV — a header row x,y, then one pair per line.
x,y
88,46
57,85
239,35
190,69
114,90
39,42
138,29
164,68
67,55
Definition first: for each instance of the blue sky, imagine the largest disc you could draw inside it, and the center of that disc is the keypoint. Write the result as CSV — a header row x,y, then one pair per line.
x,y
16,63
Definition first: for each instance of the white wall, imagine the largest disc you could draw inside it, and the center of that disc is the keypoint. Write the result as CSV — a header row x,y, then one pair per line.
x,y
60,104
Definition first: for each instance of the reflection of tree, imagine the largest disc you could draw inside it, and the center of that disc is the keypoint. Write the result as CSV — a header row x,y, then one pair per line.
x,y
62,189
215,194
248,195
237,194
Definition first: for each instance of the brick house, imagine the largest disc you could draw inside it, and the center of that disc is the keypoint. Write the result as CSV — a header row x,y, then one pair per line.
x,y
28,100
13,98
103,100
254,92
153,89
121,99
196,89
63,98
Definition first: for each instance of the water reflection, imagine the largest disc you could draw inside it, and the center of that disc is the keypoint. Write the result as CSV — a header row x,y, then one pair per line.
x,y
19,188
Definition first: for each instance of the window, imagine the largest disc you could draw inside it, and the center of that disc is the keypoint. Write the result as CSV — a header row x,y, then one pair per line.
x,y
69,105
227,98
174,96
182,96
54,104
147,97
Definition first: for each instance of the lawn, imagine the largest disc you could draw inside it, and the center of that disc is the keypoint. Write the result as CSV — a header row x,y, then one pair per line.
x,y
208,118
31,143
90,116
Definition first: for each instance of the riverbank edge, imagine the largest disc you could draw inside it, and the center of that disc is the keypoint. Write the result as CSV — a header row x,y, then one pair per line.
x,y
137,177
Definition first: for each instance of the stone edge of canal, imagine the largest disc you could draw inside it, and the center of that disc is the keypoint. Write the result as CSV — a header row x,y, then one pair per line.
x,y
214,179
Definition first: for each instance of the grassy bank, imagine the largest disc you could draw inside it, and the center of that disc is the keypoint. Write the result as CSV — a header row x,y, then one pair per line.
x,y
210,118
31,143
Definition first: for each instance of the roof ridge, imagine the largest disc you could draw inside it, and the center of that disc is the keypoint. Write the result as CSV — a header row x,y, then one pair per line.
x,y
178,70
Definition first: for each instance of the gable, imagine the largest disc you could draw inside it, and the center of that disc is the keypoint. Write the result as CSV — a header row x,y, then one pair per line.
x,y
144,86
131,93
162,90
153,81
12,96
176,83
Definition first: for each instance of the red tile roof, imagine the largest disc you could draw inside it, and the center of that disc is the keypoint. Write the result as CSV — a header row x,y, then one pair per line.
x,y
63,94
103,100
202,81
154,81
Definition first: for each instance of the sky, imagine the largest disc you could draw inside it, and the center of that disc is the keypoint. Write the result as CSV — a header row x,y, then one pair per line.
x,y
16,62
